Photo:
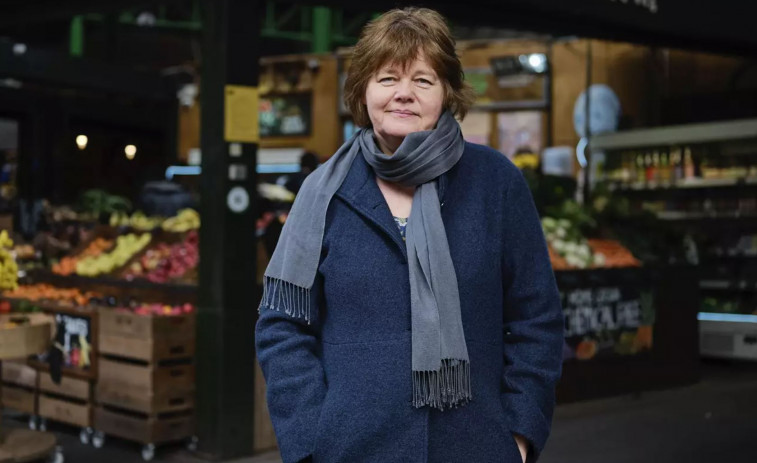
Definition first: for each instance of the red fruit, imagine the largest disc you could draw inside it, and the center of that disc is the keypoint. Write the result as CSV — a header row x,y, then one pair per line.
x,y
188,308
5,307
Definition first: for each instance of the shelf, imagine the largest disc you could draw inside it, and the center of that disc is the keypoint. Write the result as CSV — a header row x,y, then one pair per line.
x,y
692,183
515,105
726,317
76,280
743,285
682,215
676,135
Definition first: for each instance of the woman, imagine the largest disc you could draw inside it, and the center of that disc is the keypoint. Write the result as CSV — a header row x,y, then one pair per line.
x,y
439,343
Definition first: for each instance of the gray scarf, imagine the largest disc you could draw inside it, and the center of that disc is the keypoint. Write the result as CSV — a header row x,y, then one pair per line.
x,y
441,370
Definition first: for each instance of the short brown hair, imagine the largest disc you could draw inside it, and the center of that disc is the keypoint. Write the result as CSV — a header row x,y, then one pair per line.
x,y
397,37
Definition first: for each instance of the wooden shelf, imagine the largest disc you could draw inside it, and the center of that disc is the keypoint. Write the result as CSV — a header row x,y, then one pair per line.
x,y
516,105
76,280
693,183
676,135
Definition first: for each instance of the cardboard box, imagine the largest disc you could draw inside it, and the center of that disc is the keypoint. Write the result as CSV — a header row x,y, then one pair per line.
x,y
146,430
73,413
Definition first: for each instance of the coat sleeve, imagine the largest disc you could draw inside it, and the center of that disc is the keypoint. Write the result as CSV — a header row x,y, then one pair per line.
x,y
288,350
533,321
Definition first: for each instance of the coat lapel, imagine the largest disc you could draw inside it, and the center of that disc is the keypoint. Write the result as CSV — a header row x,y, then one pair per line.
x,y
361,192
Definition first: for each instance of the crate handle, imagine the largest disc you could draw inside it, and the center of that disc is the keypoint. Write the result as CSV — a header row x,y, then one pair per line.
x,y
177,350
176,401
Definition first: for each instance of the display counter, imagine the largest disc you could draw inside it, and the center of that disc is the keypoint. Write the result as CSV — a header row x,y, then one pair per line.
x,y
628,330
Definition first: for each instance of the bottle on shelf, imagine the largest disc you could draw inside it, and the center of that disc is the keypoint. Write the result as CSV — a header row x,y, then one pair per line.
x,y
649,168
656,168
688,164
665,170
677,164
641,174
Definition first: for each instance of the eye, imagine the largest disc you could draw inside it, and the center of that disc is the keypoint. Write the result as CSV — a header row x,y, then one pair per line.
x,y
423,82
386,80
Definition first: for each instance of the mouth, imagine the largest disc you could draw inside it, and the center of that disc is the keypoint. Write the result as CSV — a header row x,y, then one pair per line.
x,y
403,113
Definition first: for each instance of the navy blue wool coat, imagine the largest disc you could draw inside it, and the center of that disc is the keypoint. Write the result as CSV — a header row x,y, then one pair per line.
x,y
340,388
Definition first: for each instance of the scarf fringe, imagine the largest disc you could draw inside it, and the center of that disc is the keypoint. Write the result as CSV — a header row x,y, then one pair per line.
x,y
282,296
446,388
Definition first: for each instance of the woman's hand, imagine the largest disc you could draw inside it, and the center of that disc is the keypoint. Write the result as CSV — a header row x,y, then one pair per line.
x,y
522,446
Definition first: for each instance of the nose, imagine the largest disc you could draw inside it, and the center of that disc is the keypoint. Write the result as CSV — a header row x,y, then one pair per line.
x,y
404,92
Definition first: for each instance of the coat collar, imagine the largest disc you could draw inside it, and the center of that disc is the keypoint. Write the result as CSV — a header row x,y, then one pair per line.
x,y
360,190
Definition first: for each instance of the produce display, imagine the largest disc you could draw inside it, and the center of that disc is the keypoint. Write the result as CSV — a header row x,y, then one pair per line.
x,y
48,293
138,221
165,262
614,254
185,220
8,266
159,309
569,249
566,241
126,247
67,265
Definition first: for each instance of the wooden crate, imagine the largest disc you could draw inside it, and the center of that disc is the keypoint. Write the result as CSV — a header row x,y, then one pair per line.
x,y
69,387
130,325
149,350
71,412
27,339
146,379
118,396
19,399
145,429
19,374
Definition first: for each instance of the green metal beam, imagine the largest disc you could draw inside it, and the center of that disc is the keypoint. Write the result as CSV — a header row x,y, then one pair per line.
x,y
76,36
321,29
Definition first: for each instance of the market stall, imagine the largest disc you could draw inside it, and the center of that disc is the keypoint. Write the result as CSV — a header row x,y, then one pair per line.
x,y
123,303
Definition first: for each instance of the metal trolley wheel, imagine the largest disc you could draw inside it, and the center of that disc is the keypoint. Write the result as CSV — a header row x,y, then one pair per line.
x,y
192,443
148,452
85,435
98,439
57,456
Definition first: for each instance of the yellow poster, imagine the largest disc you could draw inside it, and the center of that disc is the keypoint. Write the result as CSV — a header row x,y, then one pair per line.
x,y
241,114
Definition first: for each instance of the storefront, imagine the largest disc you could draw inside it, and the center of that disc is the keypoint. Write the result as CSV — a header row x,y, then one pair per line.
x,y
155,312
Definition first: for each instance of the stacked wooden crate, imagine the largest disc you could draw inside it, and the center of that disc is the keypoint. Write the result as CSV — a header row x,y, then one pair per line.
x,y
146,378
69,402
19,388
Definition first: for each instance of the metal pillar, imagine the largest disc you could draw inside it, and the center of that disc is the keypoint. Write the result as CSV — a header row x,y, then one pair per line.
x,y
321,29
228,294
76,39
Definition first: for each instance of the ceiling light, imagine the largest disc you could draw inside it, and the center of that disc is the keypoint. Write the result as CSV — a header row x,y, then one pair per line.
x,y
130,151
81,141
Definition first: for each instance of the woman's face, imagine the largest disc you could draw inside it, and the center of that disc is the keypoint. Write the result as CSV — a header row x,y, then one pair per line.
x,y
403,100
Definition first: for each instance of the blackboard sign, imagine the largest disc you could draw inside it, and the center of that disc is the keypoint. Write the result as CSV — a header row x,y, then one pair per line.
x,y
606,321
285,115
74,334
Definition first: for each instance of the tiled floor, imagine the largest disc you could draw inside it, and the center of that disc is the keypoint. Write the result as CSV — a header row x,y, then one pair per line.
x,y
713,421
